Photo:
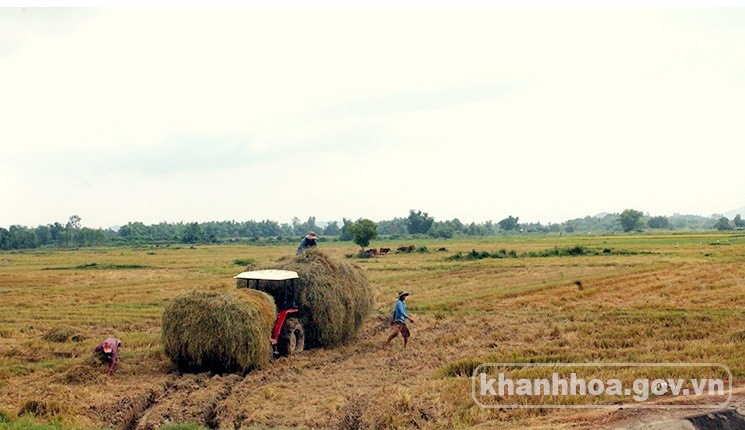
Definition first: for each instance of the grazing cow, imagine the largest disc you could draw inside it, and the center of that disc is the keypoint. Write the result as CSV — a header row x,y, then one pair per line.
x,y
410,248
402,249
372,252
443,249
384,251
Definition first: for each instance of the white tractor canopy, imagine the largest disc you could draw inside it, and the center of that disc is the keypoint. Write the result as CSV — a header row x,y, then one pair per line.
x,y
268,275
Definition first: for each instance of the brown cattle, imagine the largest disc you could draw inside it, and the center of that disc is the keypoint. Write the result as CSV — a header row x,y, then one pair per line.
x,y
372,251
408,248
384,251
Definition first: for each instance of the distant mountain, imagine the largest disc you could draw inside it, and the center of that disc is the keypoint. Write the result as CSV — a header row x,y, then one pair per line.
x,y
731,214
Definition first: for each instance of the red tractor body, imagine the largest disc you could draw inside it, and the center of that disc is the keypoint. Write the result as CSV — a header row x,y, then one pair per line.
x,y
288,335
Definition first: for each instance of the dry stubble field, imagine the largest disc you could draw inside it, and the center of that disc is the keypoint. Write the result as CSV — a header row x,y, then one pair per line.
x,y
677,298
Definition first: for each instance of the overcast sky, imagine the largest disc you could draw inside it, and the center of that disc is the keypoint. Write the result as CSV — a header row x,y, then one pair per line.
x,y
236,114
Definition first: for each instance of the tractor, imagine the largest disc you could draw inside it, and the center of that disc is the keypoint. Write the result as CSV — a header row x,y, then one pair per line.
x,y
288,335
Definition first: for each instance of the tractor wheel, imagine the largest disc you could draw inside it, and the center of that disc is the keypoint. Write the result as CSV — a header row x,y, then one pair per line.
x,y
291,338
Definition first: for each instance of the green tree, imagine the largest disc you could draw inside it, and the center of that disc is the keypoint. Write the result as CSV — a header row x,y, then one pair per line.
x,y
4,239
509,223
363,231
396,226
91,237
418,222
723,224
691,222
474,229
56,230
631,219
534,227
457,225
346,234
72,230
297,228
74,222
332,229
269,228
659,222
125,231
302,229
443,230
20,237
43,233
192,234
738,221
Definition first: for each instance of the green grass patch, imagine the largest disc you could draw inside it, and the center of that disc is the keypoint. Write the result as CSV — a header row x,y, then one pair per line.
x,y
571,251
479,255
186,426
244,261
29,423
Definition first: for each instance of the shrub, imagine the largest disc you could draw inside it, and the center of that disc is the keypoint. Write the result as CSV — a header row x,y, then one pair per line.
x,y
562,252
479,255
244,262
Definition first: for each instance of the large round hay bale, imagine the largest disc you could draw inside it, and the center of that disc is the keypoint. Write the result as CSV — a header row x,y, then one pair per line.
x,y
219,331
334,296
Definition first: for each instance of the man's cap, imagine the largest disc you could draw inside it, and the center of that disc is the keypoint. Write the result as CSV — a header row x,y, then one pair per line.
x,y
311,235
402,294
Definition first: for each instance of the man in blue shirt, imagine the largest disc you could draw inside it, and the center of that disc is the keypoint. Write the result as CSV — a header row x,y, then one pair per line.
x,y
400,317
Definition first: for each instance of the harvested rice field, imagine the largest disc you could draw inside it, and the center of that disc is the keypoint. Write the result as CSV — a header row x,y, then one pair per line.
x,y
511,299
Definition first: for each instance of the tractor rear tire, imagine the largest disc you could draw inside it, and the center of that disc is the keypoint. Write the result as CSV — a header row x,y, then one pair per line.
x,y
291,338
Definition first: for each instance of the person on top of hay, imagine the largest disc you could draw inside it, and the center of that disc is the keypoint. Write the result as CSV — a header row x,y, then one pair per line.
x,y
108,352
308,241
400,317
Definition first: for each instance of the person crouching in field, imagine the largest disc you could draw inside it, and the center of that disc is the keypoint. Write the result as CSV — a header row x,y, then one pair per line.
x,y
108,352
400,317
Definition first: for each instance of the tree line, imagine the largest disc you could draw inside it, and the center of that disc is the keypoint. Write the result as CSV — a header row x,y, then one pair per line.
x,y
417,223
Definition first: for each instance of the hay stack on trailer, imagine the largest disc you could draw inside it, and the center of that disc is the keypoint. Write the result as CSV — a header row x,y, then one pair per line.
x,y
333,296
219,332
